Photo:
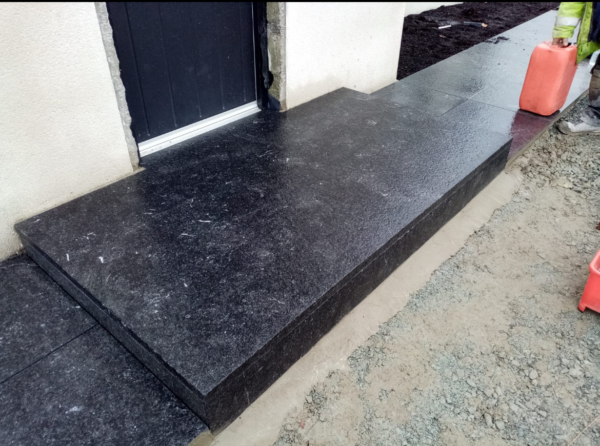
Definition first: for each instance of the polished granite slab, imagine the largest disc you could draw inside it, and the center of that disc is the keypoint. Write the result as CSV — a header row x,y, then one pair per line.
x,y
522,126
470,71
227,258
37,316
92,391
65,380
530,34
426,100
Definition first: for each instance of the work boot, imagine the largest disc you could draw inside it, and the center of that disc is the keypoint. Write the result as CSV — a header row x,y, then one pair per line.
x,y
594,91
587,124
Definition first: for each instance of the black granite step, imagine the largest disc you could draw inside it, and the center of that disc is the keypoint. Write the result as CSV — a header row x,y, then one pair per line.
x,y
227,258
65,381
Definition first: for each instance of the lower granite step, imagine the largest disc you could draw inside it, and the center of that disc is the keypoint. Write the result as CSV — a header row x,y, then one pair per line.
x,y
231,255
65,381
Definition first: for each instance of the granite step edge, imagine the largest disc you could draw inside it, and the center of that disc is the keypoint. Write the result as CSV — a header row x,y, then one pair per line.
x,y
379,266
199,403
357,270
168,376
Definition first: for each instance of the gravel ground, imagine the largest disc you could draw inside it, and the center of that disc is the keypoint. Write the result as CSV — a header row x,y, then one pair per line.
x,y
492,351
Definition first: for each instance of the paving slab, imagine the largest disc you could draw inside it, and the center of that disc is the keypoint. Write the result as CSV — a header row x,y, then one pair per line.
x,y
468,72
529,35
425,99
537,30
543,21
92,391
232,254
498,50
521,126
506,94
507,60
37,316
502,95
452,77
65,380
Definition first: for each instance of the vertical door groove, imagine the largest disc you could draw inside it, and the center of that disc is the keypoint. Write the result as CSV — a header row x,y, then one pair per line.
x,y
162,39
195,60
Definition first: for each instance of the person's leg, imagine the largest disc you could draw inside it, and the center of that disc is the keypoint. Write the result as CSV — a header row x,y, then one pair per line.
x,y
595,88
588,122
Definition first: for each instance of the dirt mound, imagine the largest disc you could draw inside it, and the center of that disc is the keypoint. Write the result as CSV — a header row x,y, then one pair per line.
x,y
423,44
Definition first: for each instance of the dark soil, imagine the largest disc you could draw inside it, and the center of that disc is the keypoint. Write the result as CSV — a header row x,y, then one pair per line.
x,y
423,44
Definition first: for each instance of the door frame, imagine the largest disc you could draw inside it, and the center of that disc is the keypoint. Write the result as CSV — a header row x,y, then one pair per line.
x,y
263,79
196,129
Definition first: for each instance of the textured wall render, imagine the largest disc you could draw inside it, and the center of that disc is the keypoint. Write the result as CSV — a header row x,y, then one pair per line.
x,y
334,45
60,130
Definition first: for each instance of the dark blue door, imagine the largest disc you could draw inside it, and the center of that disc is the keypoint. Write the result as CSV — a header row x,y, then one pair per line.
x,y
183,62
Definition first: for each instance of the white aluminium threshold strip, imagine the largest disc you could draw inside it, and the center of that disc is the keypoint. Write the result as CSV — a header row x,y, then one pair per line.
x,y
195,129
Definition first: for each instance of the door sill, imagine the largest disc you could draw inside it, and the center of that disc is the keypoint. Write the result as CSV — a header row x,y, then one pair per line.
x,y
195,129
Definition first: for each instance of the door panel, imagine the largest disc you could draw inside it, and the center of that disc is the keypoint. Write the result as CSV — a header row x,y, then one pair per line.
x,y
183,62
207,54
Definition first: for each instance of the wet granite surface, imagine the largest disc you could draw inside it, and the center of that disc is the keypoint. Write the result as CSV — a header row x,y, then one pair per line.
x,y
67,381
522,126
426,100
208,264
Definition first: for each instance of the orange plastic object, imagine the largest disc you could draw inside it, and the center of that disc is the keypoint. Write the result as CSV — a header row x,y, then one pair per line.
x,y
591,292
549,77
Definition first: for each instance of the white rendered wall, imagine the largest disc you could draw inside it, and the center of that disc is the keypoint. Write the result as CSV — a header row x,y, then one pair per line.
x,y
419,7
60,129
334,45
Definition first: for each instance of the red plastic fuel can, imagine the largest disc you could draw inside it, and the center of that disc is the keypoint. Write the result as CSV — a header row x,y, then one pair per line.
x,y
549,77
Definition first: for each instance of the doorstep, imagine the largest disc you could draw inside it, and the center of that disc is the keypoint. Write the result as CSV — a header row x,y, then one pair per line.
x,y
230,255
